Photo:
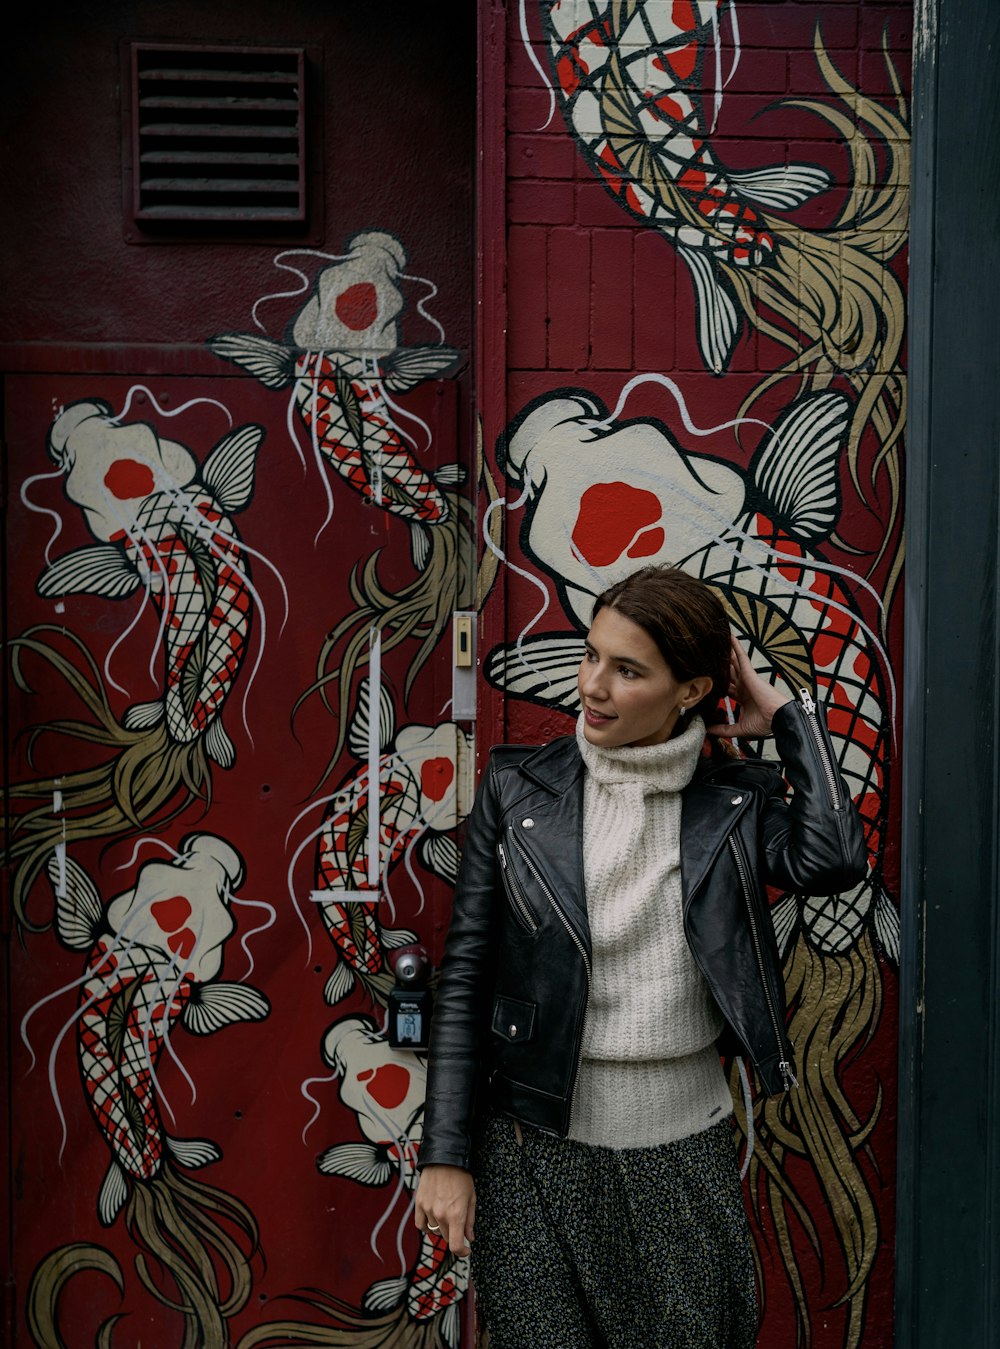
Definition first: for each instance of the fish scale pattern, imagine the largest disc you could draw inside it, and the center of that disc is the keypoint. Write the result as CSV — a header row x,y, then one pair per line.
x,y
130,1000
192,611
379,453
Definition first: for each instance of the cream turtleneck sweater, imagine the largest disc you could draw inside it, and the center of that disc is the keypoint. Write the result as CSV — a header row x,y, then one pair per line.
x,y
649,1072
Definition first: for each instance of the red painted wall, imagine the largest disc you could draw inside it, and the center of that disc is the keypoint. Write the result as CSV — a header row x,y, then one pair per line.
x,y
240,881
596,292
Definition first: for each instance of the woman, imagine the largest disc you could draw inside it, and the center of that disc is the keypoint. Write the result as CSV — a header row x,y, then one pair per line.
x,y
610,934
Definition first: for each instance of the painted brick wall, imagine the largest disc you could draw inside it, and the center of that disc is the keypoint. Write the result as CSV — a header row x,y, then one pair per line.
x,y
597,295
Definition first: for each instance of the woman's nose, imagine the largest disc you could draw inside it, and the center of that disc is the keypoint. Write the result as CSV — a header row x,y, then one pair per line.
x,y
592,682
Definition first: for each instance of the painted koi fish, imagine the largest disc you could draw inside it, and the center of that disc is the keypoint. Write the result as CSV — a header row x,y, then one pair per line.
x,y
605,496
153,955
343,364
631,76
417,805
164,526
385,1089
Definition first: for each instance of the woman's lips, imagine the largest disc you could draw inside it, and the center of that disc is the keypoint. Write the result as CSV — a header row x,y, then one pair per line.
x,y
595,718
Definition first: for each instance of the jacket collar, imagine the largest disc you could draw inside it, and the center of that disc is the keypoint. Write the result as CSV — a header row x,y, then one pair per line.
x,y
556,766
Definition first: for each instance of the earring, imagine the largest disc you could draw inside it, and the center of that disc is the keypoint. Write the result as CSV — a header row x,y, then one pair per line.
x,y
683,711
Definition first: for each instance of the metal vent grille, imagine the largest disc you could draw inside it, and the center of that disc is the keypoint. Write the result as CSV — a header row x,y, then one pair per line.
x,y
218,134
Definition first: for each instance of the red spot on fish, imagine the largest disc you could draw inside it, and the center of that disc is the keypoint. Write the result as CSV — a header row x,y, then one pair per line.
x,y
127,479
682,15
182,943
435,777
682,61
387,1084
170,914
668,106
611,521
569,80
357,306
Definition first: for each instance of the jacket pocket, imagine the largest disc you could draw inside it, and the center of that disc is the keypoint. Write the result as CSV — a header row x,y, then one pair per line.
x,y
514,1020
521,909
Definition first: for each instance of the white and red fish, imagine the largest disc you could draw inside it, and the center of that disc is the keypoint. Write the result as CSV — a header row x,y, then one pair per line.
x,y
631,77
417,806
153,956
163,525
385,1089
606,496
343,362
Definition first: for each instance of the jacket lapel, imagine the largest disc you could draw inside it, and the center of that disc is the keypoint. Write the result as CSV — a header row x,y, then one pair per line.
x,y
708,815
555,836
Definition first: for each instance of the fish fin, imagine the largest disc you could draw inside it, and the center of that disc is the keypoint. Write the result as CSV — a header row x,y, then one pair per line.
x,y
218,745
357,734
228,471
394,937
420,545
796,469
886,919
351,405
384,1294
269,361
193,1152
407,366
450,1322
340,983
140,716
718,320
543,669
213,1006
782,187
450,475
363,1162
79,913
100,570
114,1192
785,921
440,855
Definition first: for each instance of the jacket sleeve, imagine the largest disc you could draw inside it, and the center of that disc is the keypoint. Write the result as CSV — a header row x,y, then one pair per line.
x,y
460,1022
813,844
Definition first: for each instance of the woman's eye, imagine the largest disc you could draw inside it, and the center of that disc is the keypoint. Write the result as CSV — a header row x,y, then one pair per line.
x,y
625,672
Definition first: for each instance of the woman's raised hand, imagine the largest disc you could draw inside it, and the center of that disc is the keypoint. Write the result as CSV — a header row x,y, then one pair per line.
x,y
446,1205
758,700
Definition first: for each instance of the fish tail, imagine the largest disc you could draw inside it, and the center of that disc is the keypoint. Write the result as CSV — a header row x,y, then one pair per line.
x,y
201,1241
50,1278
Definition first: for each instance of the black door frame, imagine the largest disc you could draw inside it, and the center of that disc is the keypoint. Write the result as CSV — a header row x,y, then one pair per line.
x,y
948,1264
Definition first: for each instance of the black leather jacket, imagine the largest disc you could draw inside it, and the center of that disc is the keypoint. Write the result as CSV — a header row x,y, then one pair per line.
x,y
509,1013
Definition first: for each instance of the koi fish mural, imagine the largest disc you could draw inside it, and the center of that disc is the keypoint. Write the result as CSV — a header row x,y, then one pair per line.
x,y
630,77
164,525
417,771
384,1088
164,532
343,362
604,495
153,959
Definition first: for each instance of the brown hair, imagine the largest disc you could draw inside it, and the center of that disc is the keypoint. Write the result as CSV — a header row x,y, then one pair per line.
x,y
686,620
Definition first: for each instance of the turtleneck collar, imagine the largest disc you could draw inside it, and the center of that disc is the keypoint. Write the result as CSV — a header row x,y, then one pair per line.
x,y
667,767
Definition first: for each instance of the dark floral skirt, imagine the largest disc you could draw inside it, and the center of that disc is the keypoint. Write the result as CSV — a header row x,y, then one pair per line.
x,y
581,1247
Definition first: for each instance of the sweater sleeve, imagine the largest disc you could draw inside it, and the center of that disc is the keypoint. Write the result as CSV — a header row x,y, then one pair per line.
x,y
814,843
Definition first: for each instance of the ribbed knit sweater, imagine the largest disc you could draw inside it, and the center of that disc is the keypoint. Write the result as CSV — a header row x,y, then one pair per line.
x,y
649,1072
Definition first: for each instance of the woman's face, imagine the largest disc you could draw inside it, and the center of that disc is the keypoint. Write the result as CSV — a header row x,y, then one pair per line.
x,y
628,691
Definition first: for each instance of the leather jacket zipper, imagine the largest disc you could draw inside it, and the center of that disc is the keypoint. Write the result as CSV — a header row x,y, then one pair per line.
x,y
515,894
784,1066
576,942
829,771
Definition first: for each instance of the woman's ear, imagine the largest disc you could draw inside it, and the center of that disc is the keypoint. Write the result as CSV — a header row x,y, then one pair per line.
x,y
696,690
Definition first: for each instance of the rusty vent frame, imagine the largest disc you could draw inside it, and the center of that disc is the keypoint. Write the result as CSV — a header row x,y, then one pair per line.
x,y
217,135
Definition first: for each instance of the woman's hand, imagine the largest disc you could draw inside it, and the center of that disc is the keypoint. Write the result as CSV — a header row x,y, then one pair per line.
x,y
446,1205
758,700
